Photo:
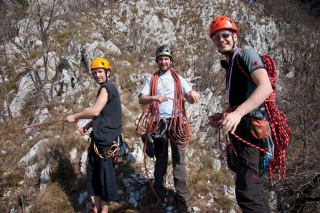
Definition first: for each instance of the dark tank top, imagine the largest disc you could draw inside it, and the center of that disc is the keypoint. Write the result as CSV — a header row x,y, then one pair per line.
x,y
107,125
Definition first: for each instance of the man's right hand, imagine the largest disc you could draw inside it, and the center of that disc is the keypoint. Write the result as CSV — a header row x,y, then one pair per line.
x,y
160,98
216,120
70,118
145,99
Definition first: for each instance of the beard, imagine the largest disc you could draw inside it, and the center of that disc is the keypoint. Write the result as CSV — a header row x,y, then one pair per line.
x,y
165,70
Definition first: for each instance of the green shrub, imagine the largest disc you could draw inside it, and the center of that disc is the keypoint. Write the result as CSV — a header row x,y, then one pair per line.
x,y
13,179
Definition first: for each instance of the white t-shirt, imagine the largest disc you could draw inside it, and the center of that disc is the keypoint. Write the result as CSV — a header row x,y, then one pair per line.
x,y
166,87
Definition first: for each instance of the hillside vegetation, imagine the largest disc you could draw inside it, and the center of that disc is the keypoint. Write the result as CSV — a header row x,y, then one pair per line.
x,y
46,48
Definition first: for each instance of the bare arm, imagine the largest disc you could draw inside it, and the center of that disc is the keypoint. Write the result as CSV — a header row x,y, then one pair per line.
x,y
192,97
93,111
145,99
263,90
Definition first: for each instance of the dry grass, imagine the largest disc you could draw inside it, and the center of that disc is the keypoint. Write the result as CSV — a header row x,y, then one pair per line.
x,y
63,38
53,199
135,108
203,180
13,145
20,197
91,97
62,138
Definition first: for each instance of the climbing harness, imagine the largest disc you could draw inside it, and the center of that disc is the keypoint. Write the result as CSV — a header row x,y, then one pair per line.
x,y
232,153
116,150
228,140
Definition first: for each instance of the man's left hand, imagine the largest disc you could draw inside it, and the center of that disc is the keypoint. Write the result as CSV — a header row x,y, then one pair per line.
x,y
193,97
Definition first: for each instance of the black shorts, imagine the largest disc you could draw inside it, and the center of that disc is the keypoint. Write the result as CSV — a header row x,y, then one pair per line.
x,y
101,177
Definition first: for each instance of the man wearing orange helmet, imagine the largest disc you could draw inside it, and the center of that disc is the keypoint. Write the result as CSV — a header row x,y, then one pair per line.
x,y
106,131
244,96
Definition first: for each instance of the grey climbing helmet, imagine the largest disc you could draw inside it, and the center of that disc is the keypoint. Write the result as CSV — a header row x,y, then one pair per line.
x,y
164,50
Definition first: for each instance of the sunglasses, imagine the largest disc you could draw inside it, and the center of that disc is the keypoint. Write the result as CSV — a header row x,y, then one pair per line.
x,y
224,35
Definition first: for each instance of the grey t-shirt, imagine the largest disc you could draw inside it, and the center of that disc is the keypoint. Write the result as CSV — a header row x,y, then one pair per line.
x,y
238,85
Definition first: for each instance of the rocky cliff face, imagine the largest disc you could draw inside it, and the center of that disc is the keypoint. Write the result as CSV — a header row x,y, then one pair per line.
x,y
127,34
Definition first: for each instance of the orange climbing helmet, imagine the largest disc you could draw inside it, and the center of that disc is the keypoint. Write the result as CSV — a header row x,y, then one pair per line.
x,y
222,23
100,63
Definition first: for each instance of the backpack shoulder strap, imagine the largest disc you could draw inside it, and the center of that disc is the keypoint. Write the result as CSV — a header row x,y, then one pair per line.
x,y
269,65
242,69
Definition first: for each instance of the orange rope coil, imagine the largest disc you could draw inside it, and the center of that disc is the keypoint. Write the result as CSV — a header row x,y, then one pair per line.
x,y
151,114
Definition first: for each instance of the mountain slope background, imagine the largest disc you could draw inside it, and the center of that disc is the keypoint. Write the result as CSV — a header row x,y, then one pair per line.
x,y
46,48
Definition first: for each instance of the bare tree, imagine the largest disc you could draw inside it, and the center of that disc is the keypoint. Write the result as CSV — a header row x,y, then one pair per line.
x,y
300,99
46,13
9,29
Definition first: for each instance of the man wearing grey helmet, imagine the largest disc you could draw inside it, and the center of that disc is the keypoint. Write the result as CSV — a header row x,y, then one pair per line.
x,y
166,91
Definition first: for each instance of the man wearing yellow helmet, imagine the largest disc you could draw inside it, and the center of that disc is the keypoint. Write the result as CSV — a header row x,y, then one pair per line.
x,y
244,96
106,130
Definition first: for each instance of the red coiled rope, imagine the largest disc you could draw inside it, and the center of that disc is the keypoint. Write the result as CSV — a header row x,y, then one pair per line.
x,y
229,109
277,121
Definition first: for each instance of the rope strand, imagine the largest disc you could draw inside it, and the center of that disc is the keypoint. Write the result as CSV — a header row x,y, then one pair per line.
x,y
42,124
50,122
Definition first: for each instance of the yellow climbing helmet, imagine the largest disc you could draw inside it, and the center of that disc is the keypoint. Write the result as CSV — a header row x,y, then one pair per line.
x,y
100,63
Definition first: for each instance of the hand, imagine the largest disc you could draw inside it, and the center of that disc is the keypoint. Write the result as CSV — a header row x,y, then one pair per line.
x,y
70,119
231,121
160,98
195,96
84,130
216,120
192,97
